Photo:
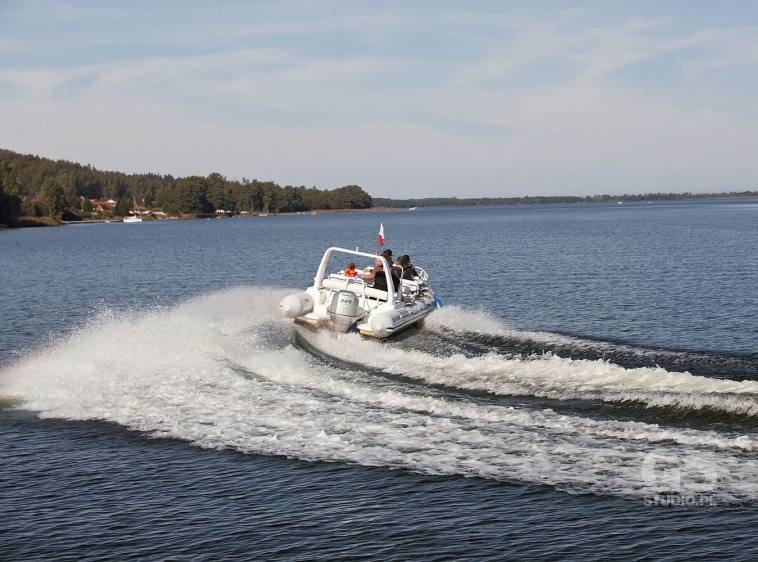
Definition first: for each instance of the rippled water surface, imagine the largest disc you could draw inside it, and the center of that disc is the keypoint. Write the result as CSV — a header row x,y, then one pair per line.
x,y
589,389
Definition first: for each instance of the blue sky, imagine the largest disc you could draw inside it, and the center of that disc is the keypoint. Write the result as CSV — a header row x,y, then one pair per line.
x,y
405,99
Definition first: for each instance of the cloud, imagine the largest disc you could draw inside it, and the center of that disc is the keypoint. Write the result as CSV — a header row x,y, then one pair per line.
x,y
400,100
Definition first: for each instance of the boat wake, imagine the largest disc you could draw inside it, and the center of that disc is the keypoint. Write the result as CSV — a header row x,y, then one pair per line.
x,y
476,333
464,395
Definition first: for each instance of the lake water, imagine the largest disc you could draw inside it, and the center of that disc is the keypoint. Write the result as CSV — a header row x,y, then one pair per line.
x,y
589,390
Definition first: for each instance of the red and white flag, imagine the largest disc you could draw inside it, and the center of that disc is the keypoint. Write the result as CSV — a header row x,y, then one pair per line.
x,y
381,234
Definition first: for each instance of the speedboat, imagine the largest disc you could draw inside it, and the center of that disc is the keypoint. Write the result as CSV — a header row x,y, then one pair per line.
x,y
347,304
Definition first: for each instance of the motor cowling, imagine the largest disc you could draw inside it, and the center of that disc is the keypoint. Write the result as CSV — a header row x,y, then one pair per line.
x,y
344,309
296,305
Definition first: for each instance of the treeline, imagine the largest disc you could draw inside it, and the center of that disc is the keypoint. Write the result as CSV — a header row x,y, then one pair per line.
x,y
34,186
536,200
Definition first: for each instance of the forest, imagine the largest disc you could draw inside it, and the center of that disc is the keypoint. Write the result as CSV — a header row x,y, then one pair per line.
x,y
35,187
40,187
542,199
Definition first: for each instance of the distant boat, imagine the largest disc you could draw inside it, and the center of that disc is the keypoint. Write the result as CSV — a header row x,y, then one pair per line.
x,y
136,217
413,208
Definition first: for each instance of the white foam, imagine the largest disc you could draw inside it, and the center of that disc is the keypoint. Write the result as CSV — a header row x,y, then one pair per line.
x,y
550,376
220,371
454,319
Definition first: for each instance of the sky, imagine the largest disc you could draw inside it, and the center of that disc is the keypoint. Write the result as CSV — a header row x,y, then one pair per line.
x,y
407,99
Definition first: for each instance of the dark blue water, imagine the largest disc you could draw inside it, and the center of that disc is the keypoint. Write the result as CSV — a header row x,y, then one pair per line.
x,y
589,390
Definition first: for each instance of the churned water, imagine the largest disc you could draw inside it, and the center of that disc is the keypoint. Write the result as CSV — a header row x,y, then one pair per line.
x,y
589,390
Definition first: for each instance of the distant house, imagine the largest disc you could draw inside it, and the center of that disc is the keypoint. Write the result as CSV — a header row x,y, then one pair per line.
x,y
101,206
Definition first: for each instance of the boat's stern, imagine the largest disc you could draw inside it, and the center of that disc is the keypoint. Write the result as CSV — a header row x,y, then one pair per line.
x,y
338,310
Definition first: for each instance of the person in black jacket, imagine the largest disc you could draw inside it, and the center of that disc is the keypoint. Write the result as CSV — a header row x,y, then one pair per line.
x,y
409,272
380,279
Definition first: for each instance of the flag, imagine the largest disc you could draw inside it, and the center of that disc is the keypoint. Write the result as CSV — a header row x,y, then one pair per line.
x,y
381,234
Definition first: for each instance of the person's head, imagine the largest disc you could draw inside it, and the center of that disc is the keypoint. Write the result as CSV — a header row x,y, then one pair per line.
x,y
387,254
351,266
378,262
405,260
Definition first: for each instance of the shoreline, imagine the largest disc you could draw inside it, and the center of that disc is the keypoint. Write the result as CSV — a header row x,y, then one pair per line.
x,y
35,222
331,211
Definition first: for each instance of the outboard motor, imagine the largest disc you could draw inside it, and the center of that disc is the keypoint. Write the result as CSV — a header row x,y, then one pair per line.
x,y
344,310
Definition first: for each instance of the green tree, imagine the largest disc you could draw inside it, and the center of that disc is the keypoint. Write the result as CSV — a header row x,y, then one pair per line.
x,y
191,195
140,188
122,207
217,192
10,208
270,197
353,197
53,197
10,203
320,200
8,180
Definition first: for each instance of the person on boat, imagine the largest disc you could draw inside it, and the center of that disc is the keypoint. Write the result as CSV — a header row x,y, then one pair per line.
x,y
398,268
378,276
387,254
409,272
350,271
